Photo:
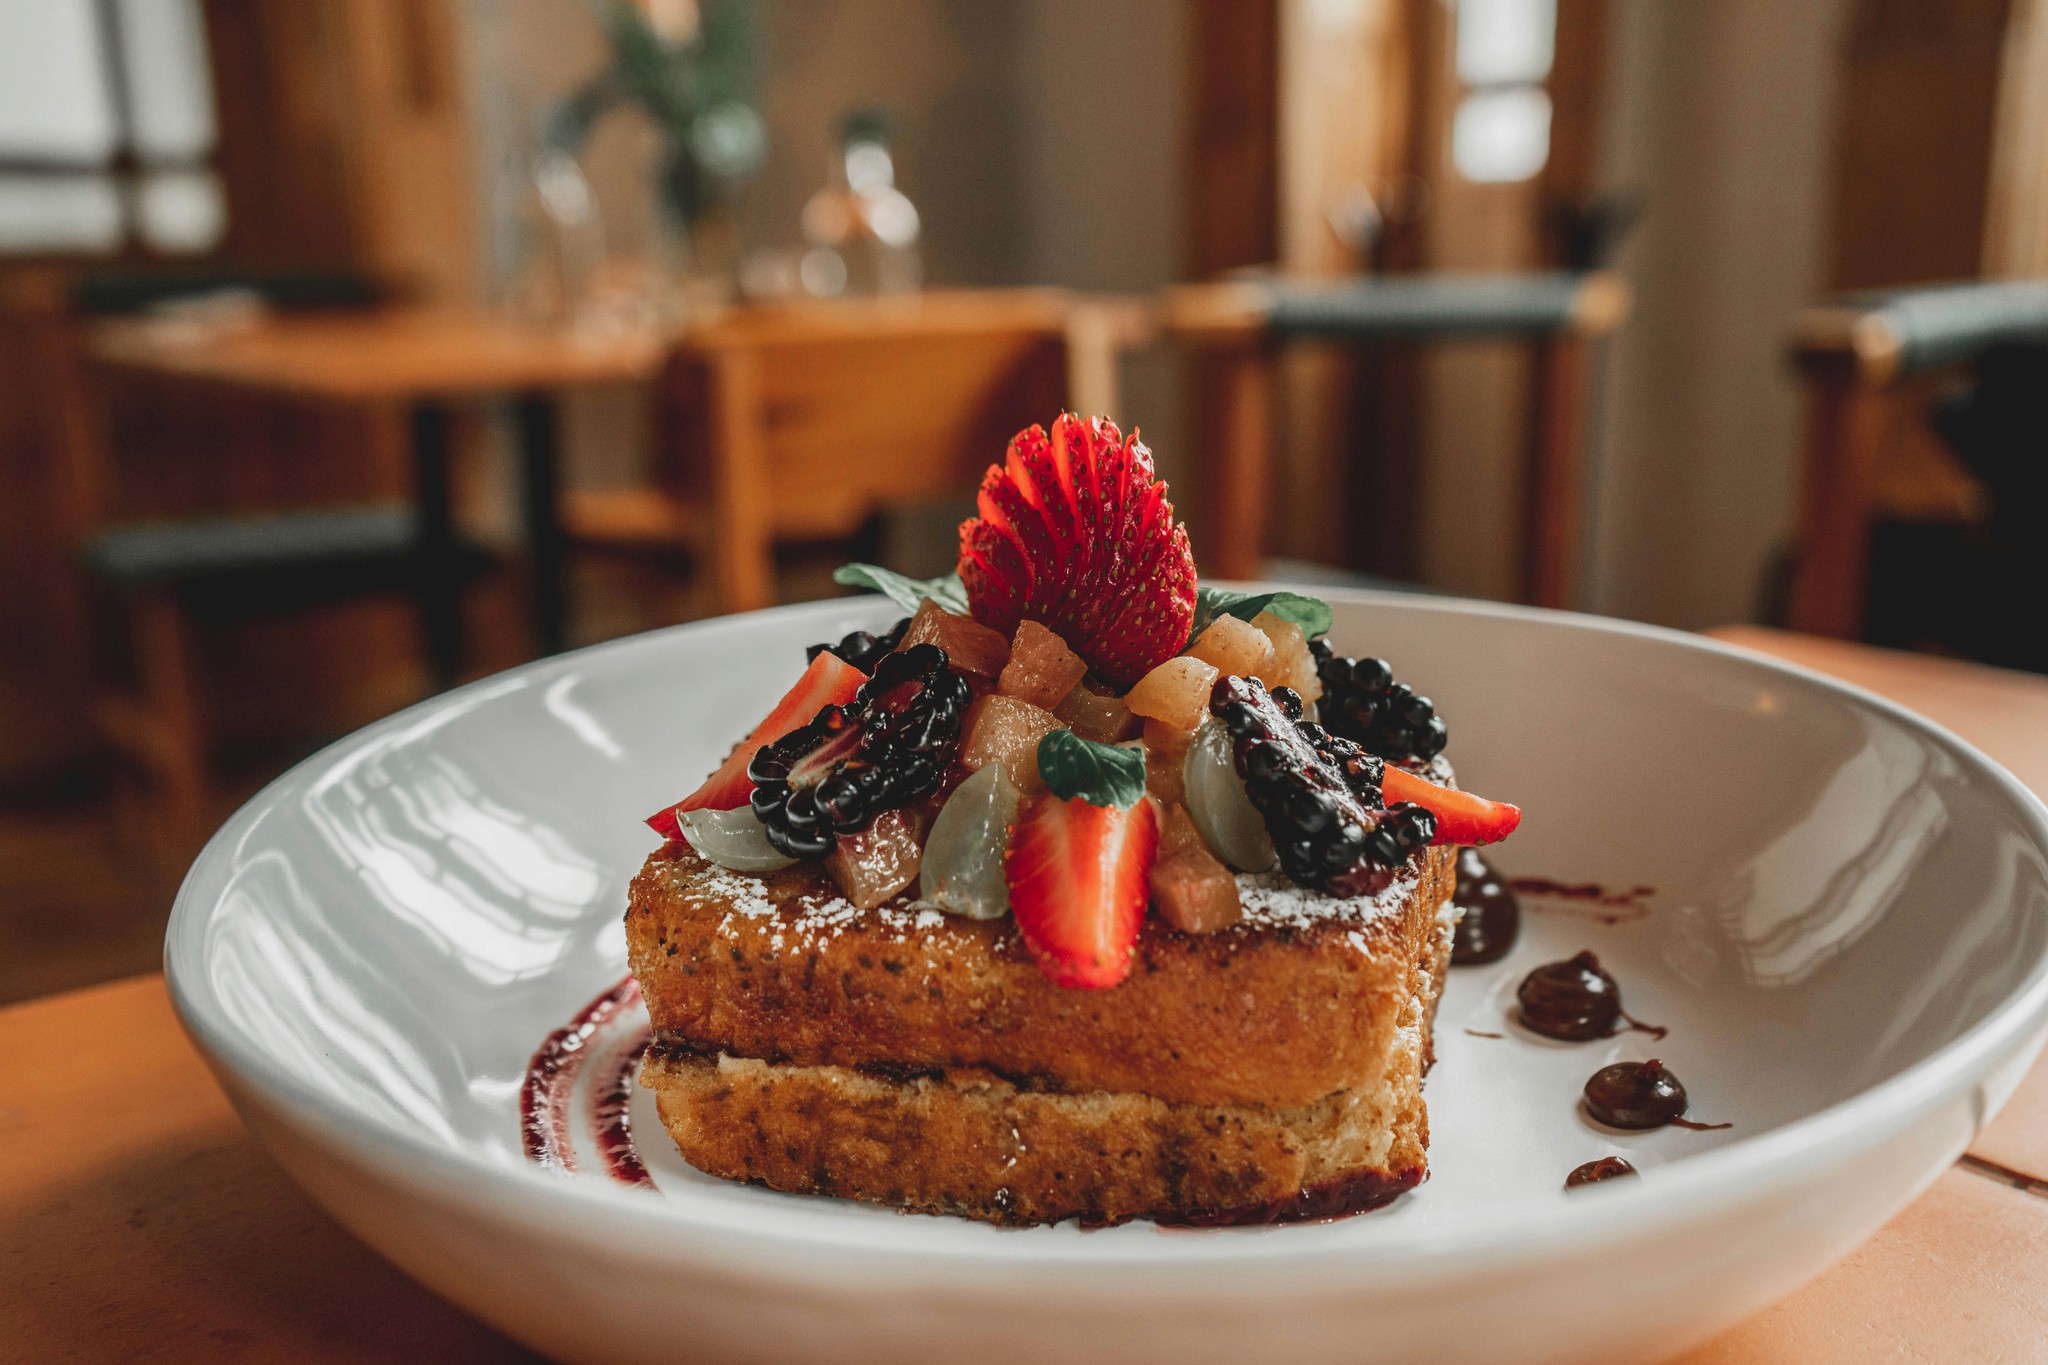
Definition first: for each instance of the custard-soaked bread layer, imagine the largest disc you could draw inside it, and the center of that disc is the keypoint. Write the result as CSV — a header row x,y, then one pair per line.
x,y
967,1142
1301,1001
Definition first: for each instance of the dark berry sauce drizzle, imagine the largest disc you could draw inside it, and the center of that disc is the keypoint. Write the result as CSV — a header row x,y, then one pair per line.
x,y
1576,1000
550,1086
1593,1172
1492,917
1588,900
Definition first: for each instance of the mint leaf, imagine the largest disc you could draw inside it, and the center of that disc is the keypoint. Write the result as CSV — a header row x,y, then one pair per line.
x,y
1100,774
1312,614
906,592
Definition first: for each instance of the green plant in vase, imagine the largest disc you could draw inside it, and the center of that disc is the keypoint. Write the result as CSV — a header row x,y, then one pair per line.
x,y
689,66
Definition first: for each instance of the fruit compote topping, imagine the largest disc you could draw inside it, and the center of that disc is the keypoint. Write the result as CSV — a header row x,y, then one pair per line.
x,y
891,745
1362,702
1070,732
1320,796
862,649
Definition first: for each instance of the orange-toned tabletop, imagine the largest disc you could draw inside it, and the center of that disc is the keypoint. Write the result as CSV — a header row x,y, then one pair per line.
x,y
379,354
139,1219
421,359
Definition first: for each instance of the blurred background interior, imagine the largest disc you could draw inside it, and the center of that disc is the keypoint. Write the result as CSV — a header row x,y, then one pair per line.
x,y
353,348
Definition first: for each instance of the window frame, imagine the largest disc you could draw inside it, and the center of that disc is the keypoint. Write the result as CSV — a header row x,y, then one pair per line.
x,y
125,168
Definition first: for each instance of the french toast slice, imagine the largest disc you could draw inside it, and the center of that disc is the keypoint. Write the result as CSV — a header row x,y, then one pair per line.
x,y
1295,1002
1270,1070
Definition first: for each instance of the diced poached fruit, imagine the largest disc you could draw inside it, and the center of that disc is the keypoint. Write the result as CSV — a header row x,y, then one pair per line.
x,y
962,871
1099,716
1005,730
1176,694
1191,890
1231,827
734,839
875,863
970,646
1042,669
829,681
1177,830
1293,665
1234,648
1166,750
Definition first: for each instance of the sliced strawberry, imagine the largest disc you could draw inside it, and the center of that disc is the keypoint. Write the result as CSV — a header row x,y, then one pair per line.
x,y
829,681
1075,532
1078,877
1461,817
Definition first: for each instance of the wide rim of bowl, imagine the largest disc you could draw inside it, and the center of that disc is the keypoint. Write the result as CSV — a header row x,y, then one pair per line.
x,y
734,1235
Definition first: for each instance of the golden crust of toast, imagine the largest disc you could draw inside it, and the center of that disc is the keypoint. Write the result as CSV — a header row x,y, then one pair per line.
x,y
974,1145
1276,1013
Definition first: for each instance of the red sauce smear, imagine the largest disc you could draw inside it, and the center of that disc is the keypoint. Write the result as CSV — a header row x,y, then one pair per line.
x,y
550,1085
1590,900
613,1114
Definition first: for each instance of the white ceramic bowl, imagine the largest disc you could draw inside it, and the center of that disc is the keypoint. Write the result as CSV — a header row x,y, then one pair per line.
x,y
1848,937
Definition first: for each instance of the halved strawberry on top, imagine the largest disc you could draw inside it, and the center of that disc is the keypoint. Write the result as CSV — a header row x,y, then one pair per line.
x,y
1079,876
829,681
1075,532
1461,817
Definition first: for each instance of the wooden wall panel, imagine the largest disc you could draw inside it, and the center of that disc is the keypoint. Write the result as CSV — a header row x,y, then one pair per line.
x,y
2016,212
1233,153
1912,171
1578,97
42,728
283,150
1348,195
344,138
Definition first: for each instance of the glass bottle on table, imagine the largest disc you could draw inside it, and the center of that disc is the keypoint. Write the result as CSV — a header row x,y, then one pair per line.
x,y
860,232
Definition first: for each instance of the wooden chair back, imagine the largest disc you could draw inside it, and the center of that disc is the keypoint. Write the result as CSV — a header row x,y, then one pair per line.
x,y
1865,359
802,421
1238,327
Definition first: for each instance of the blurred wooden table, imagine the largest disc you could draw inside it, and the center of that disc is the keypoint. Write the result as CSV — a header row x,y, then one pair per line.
x,y
138,1218
423,360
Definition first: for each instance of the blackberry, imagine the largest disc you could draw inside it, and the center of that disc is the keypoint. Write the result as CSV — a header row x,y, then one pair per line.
x,y
861,649
1318,793
1362,702
889,746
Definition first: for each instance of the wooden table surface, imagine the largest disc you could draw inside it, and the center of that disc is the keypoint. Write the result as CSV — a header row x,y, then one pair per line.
x,y
410,352
138,1218
399,354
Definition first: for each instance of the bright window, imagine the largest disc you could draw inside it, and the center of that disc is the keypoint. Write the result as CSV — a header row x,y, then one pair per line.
x,y
1500,131
106,127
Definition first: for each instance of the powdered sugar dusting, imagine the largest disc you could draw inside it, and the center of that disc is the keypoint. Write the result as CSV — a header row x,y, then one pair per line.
x,y
809,916
741,893
1270,899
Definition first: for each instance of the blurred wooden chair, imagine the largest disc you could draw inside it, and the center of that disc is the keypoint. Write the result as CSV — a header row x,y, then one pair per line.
x,y
163,576
802,421
1859,357
1240,325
